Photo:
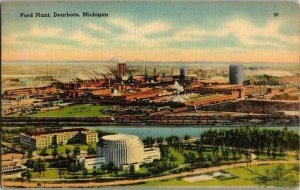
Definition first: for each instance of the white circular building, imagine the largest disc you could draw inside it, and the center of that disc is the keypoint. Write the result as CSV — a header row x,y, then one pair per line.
x,y
121,149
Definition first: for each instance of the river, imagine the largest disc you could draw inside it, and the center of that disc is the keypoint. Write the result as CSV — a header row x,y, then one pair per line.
x,y
163,131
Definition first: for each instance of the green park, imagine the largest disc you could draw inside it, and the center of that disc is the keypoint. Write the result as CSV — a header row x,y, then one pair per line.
x,y
249,156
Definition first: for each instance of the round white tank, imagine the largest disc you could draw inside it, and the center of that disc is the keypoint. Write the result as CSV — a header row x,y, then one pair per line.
x,y
121,149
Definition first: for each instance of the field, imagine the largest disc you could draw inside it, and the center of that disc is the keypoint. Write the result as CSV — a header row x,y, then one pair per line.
x,y
62,149
75,110
245,177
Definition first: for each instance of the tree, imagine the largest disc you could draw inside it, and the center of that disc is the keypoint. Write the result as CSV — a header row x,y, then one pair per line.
x,y
172,140
39,166
60,173
159,141
104,167
29,163
110,167
85,172
187,137
149,141
91,150
30,151
94,174
60,162
164,151
274,153
190,158
234,156
173,158
67,152
131,170
98,173
116,170
44,152
27,175
73,167
54,153
76,151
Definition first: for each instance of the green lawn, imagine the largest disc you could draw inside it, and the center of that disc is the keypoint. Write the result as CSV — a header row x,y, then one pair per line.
x,y
50,173
245,177
61,149
178,156
86,110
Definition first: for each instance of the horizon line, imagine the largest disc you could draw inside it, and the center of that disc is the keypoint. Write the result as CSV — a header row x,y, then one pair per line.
x,y
200,61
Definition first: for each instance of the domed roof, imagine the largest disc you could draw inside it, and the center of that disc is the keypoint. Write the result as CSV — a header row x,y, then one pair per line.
x,y
119,137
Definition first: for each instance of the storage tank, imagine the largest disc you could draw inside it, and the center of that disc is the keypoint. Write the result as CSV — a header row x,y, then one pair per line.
x,y
236,74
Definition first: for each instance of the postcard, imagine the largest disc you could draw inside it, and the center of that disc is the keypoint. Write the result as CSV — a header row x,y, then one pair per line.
x,y
150,94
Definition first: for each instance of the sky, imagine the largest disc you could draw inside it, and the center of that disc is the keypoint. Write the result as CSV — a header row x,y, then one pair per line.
x,y
153,31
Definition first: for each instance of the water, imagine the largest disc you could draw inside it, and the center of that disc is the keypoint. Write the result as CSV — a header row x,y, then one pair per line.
x,y
164,131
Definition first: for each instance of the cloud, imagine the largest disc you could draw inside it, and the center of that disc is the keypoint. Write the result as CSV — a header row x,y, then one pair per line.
x,y
124,24
45,31
35,32
155,27
117,59
247,35
137,34
147,28
51,38
98,28
85,39
237,39
245,32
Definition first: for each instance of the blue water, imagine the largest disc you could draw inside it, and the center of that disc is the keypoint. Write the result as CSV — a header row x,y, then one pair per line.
x,y
143,132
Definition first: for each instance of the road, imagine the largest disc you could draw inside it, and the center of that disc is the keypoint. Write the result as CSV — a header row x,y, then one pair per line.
x,y
129,182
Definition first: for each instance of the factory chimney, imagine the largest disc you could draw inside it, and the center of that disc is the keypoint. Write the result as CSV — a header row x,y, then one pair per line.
x,y
121,70
183,73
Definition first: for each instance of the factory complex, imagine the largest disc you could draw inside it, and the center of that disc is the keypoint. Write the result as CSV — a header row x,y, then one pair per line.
x,y
136,98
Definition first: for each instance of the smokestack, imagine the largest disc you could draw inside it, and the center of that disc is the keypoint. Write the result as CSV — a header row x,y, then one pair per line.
x,y
121,70
183,73
172,72
154,72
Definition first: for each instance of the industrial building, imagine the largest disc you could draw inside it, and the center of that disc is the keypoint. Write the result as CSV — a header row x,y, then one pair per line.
x,y
125,151
236,74
294,79
40,140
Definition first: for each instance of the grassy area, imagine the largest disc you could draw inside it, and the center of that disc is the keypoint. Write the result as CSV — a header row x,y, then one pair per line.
x,y
245,177
50,173
62,149
86,110
178,156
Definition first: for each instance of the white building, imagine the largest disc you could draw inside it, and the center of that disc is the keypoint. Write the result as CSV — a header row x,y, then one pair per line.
x,y
91,162
123,150
151,154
